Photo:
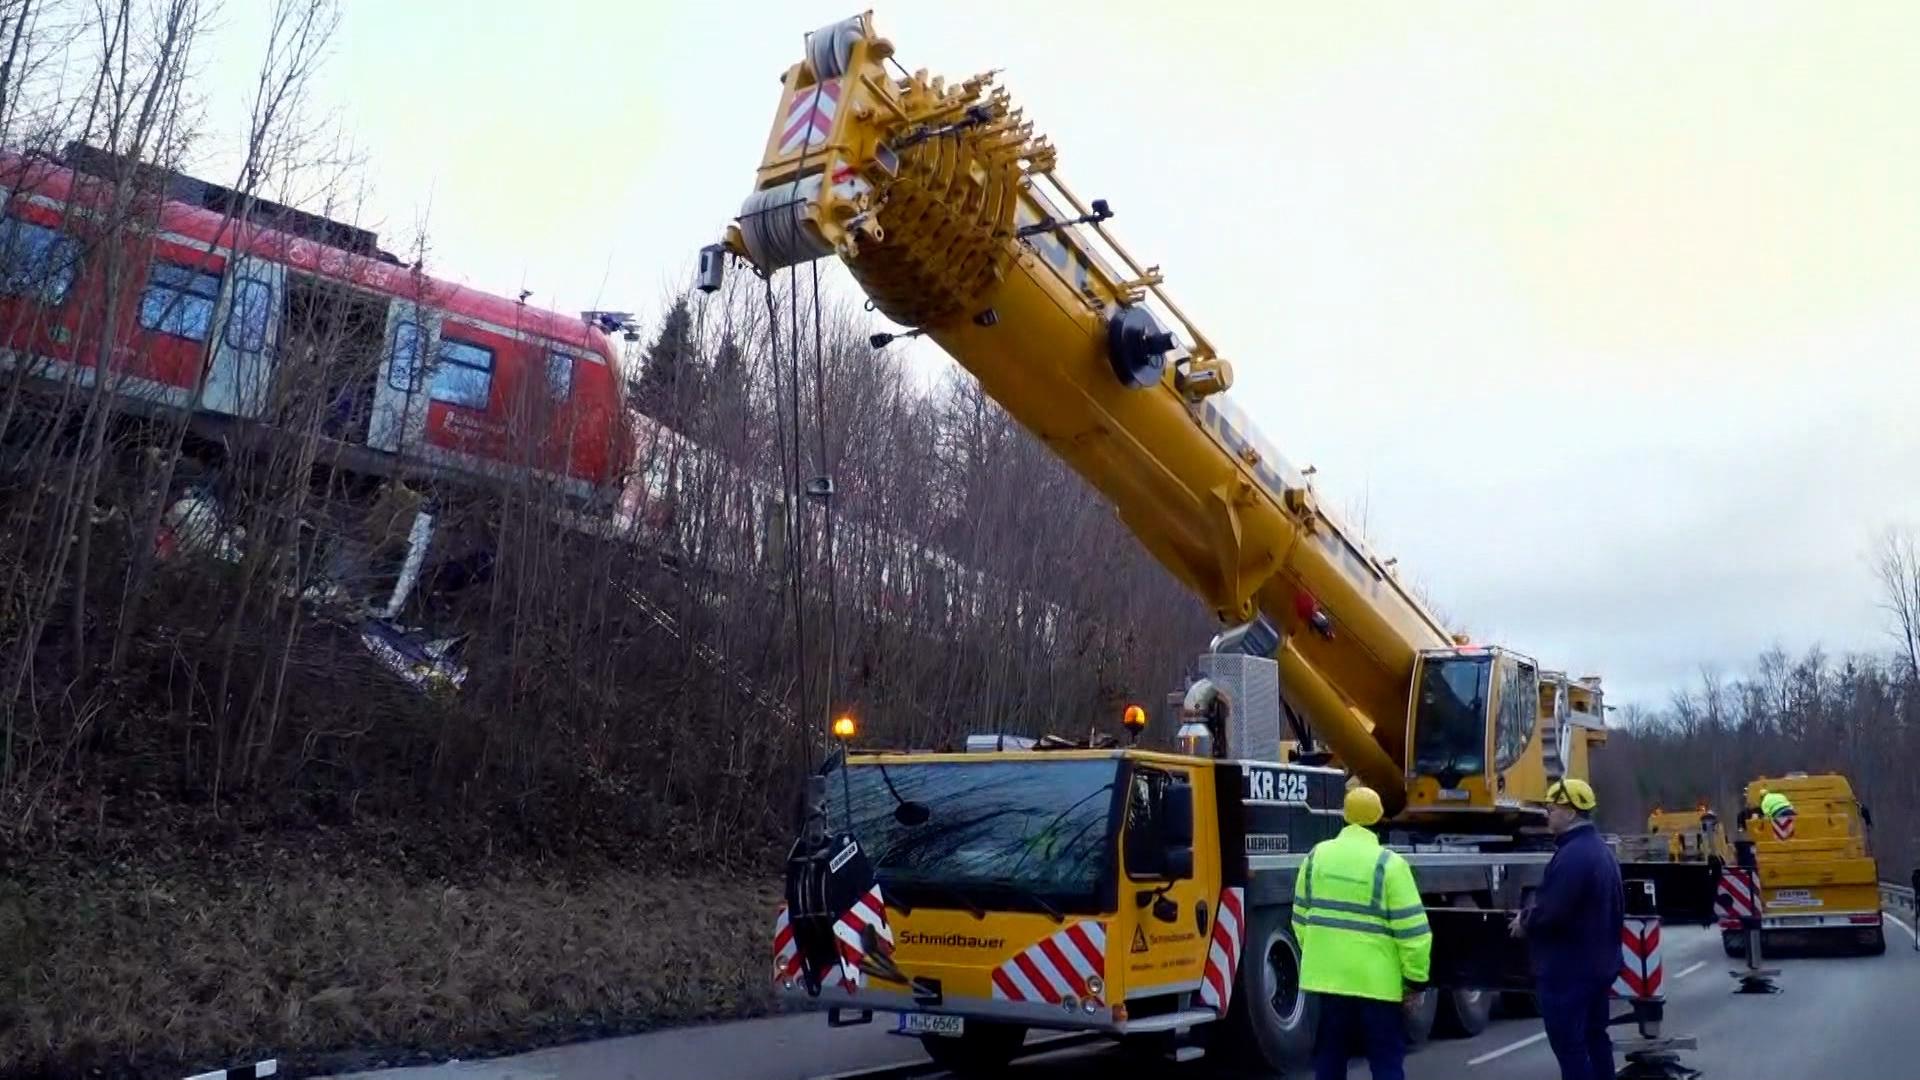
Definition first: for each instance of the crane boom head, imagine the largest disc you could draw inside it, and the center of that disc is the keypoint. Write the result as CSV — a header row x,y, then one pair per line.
x,y
930,192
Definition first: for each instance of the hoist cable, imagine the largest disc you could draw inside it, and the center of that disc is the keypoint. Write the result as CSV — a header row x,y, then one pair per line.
x,y
826,471
786,505
800,553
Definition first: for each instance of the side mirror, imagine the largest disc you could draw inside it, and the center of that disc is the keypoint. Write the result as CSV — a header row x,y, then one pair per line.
x,y
1176,829
1179,863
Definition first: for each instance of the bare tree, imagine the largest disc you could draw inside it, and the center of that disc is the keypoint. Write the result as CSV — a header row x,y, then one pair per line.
x,y
1896,564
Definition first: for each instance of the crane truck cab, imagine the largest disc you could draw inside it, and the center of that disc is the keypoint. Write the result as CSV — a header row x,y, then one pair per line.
x,y
1818,875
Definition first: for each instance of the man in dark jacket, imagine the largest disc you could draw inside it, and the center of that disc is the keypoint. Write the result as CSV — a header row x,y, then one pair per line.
x,y
1572,929
1916,906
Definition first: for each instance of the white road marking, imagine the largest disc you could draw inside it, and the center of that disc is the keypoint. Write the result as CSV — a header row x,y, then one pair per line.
x,y
1900,924
1691,970
1505,1050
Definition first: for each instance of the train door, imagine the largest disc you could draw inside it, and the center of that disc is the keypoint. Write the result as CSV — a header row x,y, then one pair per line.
x,y
399,419
245,349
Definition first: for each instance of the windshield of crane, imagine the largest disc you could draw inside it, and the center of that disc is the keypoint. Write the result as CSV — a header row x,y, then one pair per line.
x,y
1450,718
986,833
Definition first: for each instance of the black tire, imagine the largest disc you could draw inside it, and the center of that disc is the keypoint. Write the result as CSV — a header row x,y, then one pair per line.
x,y
1465,1013
984,1048
1734,942
1421,1015
1271,1022
1875,943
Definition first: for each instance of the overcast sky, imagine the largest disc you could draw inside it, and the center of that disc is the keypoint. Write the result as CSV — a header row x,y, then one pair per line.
x,y
1603,317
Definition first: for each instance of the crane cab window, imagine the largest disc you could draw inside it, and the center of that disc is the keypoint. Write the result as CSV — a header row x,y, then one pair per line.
x,y
35,261
462,374
179,301
1146,815
1450,717
1519,710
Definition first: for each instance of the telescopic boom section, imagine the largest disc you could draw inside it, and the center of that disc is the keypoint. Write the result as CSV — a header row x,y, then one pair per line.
x,y
946,208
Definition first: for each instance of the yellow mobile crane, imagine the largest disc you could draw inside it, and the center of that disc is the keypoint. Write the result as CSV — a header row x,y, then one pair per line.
x,y
1018,885
950,215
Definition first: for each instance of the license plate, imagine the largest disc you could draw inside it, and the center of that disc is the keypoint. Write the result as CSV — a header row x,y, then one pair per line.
x,y
1798,920
931,1024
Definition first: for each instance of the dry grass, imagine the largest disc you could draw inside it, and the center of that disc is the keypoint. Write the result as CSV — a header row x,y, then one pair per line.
x,y
138,973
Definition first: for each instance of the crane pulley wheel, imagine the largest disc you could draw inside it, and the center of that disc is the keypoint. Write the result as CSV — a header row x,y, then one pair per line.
x,y
1137,346
830,47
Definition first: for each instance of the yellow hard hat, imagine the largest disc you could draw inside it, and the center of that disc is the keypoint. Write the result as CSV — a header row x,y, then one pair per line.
x,y
1363,806
1571,792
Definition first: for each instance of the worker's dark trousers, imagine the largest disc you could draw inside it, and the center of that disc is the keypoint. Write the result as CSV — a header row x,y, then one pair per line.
x,y
1575,1014
1380,1023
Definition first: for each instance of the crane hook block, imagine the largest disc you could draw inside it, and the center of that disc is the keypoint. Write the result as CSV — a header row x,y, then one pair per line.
x,y
1137,346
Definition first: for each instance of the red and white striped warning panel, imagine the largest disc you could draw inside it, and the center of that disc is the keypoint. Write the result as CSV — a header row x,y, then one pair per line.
x,y
1736,898
1783,825
269,1067
810,118
868,911
786,952
1065,963
1223,951
1640,963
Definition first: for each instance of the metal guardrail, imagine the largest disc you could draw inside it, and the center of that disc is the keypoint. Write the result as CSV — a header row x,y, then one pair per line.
x,y
1899,896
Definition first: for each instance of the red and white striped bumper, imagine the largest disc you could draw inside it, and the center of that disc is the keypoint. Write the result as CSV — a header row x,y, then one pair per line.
x,y
868,913
1069,966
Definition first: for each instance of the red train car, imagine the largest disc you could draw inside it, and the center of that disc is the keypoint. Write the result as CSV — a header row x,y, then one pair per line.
x,y
181,305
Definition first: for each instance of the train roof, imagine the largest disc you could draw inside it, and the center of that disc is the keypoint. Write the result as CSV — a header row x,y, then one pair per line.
x,y
204,212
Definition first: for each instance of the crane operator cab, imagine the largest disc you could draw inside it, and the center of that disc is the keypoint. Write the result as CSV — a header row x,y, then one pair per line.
x,y
1489,731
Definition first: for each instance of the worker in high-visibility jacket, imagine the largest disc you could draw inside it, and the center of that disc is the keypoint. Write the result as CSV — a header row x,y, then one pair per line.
x,y
1364,942
1778,810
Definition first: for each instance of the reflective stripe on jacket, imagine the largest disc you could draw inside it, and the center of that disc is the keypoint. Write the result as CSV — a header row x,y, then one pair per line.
x,y
1774,803
1359,920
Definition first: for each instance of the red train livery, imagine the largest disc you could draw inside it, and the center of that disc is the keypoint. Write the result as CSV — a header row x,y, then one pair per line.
x,y
183,305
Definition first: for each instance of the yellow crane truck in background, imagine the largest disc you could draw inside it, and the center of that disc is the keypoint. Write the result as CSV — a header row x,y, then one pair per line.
x,y
1818,876
1695,835
1015,885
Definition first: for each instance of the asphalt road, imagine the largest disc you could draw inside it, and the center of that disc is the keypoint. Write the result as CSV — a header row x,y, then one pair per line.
x,y
1838,1016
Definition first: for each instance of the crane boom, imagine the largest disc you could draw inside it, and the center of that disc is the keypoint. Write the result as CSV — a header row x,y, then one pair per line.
x,y
948,211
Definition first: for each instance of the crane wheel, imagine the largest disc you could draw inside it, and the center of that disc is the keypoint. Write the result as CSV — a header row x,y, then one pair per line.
x,y
1271,1023
1465,1013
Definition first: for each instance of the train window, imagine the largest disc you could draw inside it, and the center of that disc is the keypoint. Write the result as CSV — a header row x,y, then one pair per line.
x,y
462,374
252,312
35,260
179,301
559,375
403,373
